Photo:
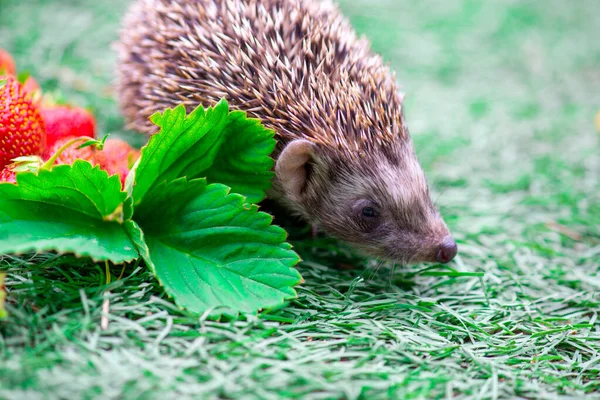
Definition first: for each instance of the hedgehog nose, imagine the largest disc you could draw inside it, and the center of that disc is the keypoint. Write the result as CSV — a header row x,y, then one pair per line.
x,y
447,250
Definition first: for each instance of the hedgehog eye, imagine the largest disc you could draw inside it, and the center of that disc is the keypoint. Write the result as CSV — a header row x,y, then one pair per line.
x,y
366,214
365,209
369,212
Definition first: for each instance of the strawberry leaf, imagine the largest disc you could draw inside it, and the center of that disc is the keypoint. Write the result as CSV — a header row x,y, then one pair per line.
x,y
225,147
185,146
211,250
243,163
69,209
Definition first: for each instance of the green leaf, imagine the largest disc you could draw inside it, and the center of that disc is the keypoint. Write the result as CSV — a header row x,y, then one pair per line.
x,y
136,235
185,146
70,209
226,147
243,163
210,250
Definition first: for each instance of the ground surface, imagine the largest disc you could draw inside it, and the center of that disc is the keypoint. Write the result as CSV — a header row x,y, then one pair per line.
x,y
501,102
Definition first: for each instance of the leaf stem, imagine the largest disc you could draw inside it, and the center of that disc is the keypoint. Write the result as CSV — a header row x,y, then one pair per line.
x,y
48,164
122,271
107,272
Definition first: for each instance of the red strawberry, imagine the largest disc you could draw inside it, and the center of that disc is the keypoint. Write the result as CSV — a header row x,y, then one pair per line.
x,y
117,158
64,121
71,153
8,175
7,64
32,87
22,130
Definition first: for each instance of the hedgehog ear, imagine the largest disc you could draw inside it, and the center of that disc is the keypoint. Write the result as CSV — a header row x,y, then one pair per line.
x,y
292,166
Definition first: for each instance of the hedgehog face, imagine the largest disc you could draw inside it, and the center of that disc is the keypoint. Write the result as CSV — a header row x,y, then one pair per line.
x,y
378,202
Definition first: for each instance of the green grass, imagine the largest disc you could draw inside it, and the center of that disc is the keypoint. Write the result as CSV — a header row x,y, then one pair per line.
x,y
501,98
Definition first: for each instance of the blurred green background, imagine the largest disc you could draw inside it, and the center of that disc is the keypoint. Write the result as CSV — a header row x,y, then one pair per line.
x,y
501,101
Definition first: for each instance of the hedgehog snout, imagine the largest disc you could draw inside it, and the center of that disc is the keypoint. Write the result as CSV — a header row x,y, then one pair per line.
x,y
447,250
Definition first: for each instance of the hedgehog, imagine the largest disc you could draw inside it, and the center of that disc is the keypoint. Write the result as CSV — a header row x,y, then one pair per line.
x,y
344,159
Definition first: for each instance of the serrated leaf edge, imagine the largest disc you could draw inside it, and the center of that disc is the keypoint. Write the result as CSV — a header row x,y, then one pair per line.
x,y
282,300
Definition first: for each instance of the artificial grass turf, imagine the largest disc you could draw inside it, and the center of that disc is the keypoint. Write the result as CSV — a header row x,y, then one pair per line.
x,y
501,98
